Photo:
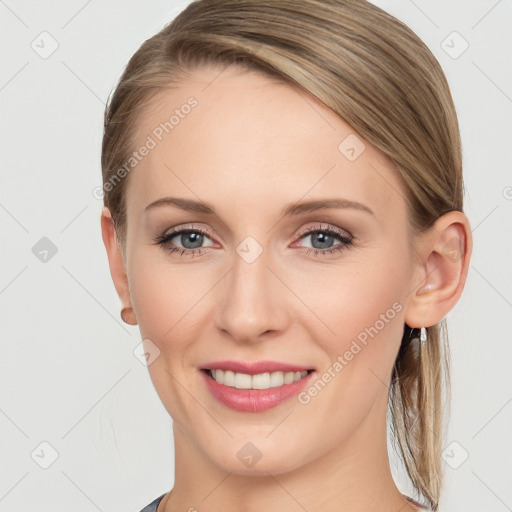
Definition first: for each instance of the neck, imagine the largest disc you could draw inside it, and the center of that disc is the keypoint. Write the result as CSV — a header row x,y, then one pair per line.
x,y
356,476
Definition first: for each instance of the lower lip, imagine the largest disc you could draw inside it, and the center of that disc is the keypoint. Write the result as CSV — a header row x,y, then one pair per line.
x,y
254,400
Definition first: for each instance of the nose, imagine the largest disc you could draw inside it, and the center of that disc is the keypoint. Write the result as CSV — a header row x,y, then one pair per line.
x,y
252,301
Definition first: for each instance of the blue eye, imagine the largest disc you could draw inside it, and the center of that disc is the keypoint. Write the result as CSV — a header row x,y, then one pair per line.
x,y
324,236
192,239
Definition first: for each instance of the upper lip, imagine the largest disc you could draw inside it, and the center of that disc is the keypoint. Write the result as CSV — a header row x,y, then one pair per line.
x,y
255,367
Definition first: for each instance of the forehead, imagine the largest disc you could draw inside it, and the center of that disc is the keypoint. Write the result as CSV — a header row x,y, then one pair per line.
x,y
237,136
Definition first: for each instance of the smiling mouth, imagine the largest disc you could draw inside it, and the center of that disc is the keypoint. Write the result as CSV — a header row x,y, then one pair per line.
x,y
257,381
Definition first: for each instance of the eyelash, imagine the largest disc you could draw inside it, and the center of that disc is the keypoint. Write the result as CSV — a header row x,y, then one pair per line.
x,y
347,241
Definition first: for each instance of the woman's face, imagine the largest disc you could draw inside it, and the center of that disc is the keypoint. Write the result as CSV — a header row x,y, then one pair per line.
x,y
258,277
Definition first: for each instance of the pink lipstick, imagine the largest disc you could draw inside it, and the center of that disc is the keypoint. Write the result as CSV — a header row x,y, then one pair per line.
x,y
254,386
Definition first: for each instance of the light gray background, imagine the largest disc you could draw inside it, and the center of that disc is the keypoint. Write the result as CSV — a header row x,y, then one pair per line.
x,y
68,373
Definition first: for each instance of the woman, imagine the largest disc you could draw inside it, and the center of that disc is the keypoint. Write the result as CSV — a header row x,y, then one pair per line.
x,y
284,221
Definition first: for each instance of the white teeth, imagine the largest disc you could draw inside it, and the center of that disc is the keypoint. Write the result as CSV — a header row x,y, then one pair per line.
x,y
258,381
228,377
242,381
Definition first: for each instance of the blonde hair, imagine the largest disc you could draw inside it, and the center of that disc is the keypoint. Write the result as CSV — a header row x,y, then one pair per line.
x,y
377,75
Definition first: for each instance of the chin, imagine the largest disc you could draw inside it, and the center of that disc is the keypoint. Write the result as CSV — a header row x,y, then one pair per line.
x,y
257,458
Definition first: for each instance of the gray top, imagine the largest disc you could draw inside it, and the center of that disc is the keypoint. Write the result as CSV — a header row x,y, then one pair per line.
x,y
152,506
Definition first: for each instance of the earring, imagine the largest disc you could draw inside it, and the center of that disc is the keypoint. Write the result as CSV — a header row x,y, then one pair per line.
x,y
423,334
124,316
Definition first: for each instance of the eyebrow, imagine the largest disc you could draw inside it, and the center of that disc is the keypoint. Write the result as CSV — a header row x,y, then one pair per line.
x,y
191,205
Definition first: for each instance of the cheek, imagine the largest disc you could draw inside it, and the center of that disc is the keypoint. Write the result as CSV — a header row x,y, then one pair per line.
x,y
167,300
162,295
359,308
340,303
154,299
361,313
172,303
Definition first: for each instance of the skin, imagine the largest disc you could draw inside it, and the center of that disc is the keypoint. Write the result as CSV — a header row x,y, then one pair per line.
x,y
250,147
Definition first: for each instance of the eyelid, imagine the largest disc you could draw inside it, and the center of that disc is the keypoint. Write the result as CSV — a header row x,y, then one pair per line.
x,y
346,239
188,227
303,231
325,227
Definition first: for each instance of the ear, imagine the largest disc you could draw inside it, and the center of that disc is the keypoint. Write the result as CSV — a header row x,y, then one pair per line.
x,y
117,265
441,271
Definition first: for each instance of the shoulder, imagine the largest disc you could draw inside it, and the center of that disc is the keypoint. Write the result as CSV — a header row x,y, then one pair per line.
x,y
152,506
